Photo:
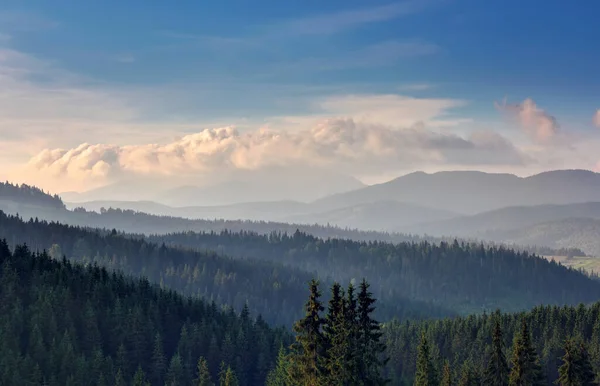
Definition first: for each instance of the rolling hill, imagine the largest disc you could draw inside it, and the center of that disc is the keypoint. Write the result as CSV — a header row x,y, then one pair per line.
x,y
471,192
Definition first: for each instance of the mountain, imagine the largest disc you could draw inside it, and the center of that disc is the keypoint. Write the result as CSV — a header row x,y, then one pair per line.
x,y
378,216
272,184
509,218
255,211
555,226
581,232
470,192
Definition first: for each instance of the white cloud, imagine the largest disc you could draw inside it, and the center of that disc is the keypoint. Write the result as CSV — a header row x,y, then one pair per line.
x,y
597,118
338,144
339,21
537,123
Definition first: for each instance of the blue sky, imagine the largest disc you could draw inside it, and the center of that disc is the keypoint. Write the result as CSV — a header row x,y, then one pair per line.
x,y
161,71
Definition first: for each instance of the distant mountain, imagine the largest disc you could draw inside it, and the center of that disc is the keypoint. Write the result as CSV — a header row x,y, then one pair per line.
x,y
471,192
273,184
510,218
378,216
581,232
256,211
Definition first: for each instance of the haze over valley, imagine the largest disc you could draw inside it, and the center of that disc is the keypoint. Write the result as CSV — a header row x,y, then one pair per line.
x,y
340,193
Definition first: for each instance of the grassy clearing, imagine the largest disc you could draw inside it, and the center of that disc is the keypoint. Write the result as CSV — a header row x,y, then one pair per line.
x,y
589,264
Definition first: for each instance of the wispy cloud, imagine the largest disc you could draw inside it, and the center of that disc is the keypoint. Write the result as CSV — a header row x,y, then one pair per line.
x,y
125,58
596,119
337,22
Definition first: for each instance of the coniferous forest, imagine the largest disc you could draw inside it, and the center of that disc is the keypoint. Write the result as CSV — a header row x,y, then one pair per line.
x,y
82,306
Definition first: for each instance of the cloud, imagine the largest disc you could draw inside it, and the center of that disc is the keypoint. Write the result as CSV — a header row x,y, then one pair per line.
x,y
537,123
343,145
340,21
596,119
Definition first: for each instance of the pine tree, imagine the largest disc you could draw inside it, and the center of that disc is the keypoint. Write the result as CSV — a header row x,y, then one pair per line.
x,y
369,346
568,372
175,374
468,377
159,362
447,375
351,316
227,376
425,375
496,372
309,345
139,379
526,370
204,378
337,339
280,375
585,371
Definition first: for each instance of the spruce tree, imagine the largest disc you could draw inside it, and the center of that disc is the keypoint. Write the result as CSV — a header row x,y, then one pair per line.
x,y
525,370
227,376
204,378
447,379
426,374
280,375
337,337
351,317
468,377
496,372
370,348
585,371
139,379
309,346
568,372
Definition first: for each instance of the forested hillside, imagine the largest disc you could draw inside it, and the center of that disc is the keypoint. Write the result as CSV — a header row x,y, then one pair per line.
x,y
464,277
268,287
28,195
63,324
467,343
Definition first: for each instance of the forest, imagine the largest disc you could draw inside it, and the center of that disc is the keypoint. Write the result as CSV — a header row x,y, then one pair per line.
x,y
84,306
466,277
269,288
66,324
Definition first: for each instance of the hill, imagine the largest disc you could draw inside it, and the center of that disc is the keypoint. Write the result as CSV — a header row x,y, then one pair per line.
x,y
65,324
510,218
269,287
463,277
470,192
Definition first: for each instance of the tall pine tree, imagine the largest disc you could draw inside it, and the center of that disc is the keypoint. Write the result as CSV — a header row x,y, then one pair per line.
x,y
426,374
370,348
496,372
310,344
526,370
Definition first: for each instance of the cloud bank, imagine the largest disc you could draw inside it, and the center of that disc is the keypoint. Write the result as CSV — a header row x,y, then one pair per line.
x,y
338,144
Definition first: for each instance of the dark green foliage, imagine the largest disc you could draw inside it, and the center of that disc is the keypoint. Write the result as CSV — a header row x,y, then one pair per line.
x,y
471,339
204,378
447,378
65,324
29,195
268,287
462,277
525,368
425,373
468,375
496,372
576,369
308,352
369,346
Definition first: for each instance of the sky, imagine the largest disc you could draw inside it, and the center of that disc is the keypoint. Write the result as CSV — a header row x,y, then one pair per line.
x,y
97,92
